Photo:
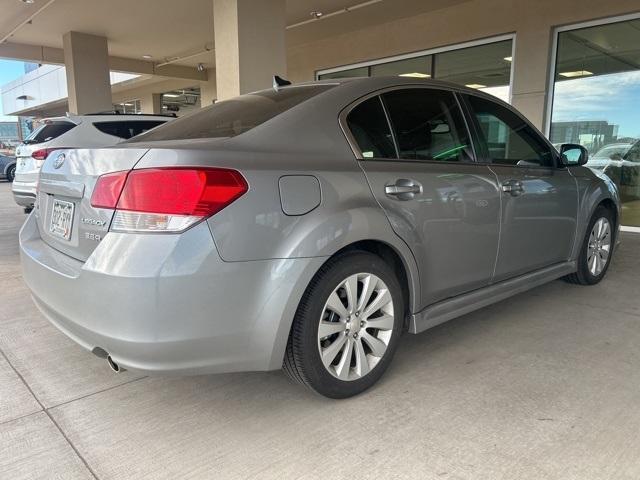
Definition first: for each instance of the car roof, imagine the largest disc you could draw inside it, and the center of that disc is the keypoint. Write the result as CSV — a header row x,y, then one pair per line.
x,y
77,119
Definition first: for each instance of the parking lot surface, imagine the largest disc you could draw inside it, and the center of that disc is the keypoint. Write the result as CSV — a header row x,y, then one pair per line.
x,y
544,385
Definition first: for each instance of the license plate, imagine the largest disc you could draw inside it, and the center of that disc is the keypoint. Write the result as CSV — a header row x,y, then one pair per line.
x,y
61,219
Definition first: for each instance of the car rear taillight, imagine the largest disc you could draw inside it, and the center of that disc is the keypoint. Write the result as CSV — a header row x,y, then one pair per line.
x,y
43,153
166,199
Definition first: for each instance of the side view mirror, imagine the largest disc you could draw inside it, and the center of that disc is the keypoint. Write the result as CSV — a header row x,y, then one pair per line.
x,y
572,154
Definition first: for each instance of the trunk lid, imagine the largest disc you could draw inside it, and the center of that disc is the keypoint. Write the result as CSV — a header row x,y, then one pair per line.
x,y
65,217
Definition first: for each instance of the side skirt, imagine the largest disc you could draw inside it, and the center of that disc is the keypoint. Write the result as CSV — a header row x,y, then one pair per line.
x,y
457,306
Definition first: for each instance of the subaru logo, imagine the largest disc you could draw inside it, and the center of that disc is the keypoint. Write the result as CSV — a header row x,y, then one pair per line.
x,y
59,161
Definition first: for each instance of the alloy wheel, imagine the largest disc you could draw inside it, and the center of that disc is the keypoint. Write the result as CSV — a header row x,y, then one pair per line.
x,y
599,247
355,326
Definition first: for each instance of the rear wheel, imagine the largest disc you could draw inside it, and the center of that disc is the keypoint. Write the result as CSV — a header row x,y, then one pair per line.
x,y
347,326
11,173
597,248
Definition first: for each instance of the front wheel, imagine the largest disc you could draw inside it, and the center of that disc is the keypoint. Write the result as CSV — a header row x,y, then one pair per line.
x,y
597,249
347,326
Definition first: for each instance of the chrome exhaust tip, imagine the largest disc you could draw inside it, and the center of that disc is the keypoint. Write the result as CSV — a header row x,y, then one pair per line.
x,y
113,365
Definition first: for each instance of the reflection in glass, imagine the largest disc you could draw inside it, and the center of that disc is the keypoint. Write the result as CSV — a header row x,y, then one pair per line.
x,y
596,99
485,67
352,72
419,67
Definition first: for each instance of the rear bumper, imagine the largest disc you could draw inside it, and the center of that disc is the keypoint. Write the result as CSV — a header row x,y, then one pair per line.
x,y
168,303
24,193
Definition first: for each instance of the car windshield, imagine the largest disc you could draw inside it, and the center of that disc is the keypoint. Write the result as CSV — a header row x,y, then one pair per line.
x,y
233,117
48,131
611,151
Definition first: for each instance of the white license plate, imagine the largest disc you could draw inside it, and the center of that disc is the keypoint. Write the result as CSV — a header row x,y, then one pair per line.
x,y
61,219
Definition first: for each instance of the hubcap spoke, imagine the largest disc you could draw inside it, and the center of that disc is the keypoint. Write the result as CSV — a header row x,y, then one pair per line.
x,y
342,369
378,347
329,328
368,287
362,364
331,352
385,322
380,301
335,305
351,287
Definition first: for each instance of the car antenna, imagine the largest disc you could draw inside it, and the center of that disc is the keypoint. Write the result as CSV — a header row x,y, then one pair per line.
x,y
279,82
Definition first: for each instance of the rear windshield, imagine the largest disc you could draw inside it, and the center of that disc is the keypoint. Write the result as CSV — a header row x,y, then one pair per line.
x,y
233,117
127,128
49,131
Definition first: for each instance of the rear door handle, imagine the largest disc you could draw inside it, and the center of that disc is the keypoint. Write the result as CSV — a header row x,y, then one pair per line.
x,y
403,189
513,187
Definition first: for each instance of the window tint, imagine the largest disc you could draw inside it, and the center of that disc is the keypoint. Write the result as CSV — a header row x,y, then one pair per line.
x,y
509,140
428,125
370,129
49,131
127,129
235,116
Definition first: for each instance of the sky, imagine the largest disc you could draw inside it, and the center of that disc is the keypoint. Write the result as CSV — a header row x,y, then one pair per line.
x,y
9,70
614,98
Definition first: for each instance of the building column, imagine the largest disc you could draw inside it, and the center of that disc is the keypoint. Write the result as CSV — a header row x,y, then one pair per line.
x,y
86,59
151,103
249,45
208,90
531,72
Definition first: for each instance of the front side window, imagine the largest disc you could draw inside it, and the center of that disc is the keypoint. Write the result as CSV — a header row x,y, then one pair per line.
x,y
509,140
428,125
370,129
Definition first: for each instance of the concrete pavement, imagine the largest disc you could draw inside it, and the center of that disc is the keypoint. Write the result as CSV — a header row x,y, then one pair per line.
x,y
541,386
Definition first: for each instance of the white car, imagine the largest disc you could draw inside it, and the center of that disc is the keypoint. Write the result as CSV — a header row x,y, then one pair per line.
x,y
72,131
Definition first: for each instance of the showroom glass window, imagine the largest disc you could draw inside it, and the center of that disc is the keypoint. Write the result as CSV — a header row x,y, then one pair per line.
x,y
596,103
428,125
484,67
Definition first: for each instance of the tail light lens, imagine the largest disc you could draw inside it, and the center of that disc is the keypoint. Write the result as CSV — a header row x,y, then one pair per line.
x,y
166,199
41,155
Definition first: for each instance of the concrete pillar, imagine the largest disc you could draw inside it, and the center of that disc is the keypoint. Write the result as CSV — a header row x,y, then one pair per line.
x,y
151,103
86,59
531,71
208,90
249,44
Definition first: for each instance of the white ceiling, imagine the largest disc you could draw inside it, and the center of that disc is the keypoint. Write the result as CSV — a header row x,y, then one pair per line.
x,y
166,29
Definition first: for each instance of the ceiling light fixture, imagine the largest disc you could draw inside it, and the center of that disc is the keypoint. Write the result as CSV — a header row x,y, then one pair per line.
x,y
146,56
508,59
30,2
415,75
475,85
576,73
171,95
316,14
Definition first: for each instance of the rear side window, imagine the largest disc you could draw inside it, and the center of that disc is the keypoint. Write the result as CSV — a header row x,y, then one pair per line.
x,y
235,116
127,128
49,131
428,125
370,130
509,139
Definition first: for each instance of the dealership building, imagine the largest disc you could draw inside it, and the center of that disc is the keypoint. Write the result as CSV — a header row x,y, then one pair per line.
x,y
572,67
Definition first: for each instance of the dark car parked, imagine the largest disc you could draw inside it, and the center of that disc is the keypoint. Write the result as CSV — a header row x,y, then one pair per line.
x,y
7,167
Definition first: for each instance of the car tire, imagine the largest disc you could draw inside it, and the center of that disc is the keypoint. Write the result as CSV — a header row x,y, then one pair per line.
x,y
591,252
362,351
11,173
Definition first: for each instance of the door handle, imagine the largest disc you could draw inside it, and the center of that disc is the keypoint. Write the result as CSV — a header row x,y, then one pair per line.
x,y
513,187
403,189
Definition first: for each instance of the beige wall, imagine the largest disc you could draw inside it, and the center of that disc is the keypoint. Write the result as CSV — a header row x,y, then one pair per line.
x,y
533,22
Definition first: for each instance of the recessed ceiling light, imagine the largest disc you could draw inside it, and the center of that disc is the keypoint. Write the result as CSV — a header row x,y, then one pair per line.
x,y
27,1
316,14
508,59
577,73
475,85
415,75
171,95
146,56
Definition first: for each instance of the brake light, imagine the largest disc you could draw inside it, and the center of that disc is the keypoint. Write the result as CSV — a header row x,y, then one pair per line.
x,y
166,199
41,154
